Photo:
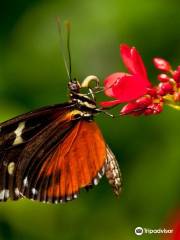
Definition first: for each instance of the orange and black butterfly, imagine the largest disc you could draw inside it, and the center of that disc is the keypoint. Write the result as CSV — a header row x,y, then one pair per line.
x,y
51,153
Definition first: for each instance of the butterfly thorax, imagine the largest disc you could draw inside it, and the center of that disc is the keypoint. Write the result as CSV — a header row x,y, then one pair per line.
x,y
85,103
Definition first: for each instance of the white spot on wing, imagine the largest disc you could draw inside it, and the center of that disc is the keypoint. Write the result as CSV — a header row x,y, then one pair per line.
x,y
18,133
25,182
99,176
11,167
95,181
4,194
34,191
17,191
68,198
75,196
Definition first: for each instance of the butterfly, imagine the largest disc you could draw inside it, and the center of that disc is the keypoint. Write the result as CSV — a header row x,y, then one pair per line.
x,y
51,153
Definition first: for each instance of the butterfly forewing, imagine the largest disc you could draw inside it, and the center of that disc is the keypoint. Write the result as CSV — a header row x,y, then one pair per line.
x,y
38,151
14,138
21,129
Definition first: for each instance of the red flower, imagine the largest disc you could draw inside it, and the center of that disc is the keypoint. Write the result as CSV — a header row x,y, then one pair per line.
x,y
143,105
125,87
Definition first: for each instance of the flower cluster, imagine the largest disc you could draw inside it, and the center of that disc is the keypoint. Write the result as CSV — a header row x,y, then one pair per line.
x,y
135,89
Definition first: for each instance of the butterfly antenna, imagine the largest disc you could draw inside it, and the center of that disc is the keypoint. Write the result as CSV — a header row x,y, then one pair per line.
x,y
68,28
62,47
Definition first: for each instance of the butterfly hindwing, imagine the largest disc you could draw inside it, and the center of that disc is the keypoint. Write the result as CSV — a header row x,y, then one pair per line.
x,y
113,173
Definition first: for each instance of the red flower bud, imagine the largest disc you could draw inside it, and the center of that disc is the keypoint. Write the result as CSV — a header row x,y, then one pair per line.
x,y
165,88
163,77
176,75
154,108
129,108
160,92
144,101
152,92
158,108
162,64
148,111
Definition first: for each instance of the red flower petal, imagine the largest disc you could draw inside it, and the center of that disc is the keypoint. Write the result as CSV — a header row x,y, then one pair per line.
x,y
110,81
128,88
133,61
110,103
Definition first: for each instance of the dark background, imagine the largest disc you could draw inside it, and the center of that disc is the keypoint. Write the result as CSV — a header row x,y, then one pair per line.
x,y
32,74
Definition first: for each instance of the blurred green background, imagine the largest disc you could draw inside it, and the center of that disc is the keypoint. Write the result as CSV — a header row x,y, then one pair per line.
x,y
32,74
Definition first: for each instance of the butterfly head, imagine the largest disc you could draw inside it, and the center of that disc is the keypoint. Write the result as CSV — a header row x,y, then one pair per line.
x,y
74,86
88,82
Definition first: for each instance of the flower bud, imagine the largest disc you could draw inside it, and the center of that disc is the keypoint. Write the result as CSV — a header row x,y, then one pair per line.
x,y
165,88
158,108
129,108
163,77
152,92
176,75
154,108
144,101
160,92
148,111
162,64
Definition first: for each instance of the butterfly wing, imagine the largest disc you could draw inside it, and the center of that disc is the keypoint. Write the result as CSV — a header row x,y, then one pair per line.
x,y
21,129
77,161
17,133
113,173
48,155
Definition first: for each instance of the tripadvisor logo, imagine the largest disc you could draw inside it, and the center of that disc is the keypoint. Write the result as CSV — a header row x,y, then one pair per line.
x,y
139,231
